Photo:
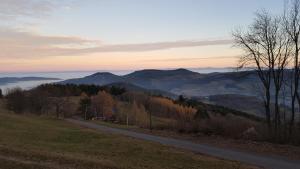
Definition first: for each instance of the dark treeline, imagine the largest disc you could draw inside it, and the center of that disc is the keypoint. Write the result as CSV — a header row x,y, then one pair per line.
x,y
44,98
58,90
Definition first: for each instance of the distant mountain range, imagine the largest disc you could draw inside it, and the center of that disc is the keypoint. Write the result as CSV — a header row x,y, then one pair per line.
x,y
237,90
179,81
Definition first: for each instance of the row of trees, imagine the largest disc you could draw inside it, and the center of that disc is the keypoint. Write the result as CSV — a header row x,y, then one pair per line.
x,y
131,108
58,99
38,102
63,99
64,90
271,45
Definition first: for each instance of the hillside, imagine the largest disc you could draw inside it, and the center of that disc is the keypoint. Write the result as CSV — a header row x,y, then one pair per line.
x,y
220,83
133,88
162,79
180,81
249,104
172,83
30,142
148,79
101,78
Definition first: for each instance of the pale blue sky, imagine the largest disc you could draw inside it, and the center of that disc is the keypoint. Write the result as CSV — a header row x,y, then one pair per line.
x,y
53,35
135,21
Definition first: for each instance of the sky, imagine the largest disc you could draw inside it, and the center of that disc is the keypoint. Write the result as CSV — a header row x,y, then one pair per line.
x,y
65,35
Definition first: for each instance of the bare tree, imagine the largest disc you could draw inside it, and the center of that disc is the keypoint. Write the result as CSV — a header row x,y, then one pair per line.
x,y
267,48
292,26
255,43
103,103
280,53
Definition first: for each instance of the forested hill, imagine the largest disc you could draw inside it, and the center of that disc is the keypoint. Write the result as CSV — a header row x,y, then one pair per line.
x,y
179,81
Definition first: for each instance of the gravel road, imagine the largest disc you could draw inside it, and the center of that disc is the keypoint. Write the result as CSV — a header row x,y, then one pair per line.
x,y
274,162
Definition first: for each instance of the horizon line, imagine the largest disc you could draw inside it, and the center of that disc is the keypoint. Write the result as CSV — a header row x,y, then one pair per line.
x,y
116,70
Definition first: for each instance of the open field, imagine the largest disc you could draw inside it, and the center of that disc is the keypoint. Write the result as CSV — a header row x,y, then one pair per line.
x,y
39,142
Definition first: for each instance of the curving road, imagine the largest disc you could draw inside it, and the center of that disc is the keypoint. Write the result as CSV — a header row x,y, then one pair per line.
x,y
249,158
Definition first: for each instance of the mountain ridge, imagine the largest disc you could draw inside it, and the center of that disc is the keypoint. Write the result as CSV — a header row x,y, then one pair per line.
x,y
178,81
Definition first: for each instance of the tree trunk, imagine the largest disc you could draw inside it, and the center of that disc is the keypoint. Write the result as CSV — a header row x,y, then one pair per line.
x,y
295,94
127,121
150,118
277,115
85,112
267,109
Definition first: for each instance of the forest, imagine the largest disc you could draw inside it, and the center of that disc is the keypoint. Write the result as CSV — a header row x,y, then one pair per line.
x,y
142,109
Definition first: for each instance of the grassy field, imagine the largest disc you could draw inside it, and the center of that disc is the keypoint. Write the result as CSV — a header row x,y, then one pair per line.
x,y
40,142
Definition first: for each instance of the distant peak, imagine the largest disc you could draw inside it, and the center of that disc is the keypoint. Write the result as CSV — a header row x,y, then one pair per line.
x,y
147,70
103,74
182,70
159,70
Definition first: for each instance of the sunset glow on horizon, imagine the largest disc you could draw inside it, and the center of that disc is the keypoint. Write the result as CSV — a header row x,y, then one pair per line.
x,y
52,35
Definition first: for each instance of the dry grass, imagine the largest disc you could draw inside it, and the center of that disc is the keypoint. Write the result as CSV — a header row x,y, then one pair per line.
x,y
39,142
265,148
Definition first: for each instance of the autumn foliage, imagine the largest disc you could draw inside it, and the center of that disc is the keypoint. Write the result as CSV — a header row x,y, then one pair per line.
x,y
130,108
102,105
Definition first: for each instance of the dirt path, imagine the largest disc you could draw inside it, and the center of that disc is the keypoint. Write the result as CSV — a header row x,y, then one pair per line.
x,y
274,162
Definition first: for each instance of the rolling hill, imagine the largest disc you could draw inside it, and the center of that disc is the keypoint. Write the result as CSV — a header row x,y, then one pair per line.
x,y
227,89
179,81
101,78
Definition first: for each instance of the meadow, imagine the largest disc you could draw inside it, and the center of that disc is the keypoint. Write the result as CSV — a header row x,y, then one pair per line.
x,y
28,142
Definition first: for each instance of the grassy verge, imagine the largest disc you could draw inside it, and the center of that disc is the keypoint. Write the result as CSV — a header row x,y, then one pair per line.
x,y
36,142
264,148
